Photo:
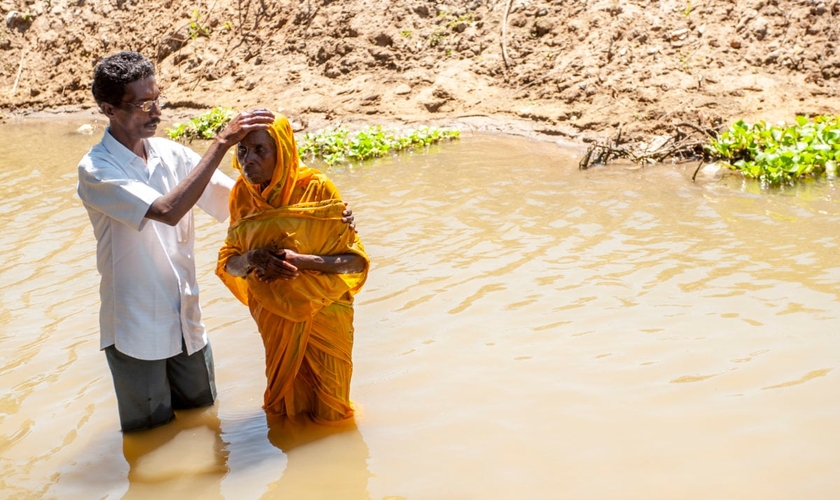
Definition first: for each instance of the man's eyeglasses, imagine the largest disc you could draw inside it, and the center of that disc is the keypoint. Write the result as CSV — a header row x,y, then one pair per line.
x,y
146,106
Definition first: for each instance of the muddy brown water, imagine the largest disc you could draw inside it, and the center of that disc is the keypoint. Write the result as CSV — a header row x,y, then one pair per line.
x,y
528,331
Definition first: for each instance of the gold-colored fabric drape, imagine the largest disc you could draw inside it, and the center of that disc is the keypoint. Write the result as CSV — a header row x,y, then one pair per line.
x,y
306,323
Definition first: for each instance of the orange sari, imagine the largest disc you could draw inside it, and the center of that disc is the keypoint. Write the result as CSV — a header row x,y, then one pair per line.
x,y
306,323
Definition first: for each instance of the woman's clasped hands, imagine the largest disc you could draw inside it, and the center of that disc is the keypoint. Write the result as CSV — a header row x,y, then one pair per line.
x,y
269,265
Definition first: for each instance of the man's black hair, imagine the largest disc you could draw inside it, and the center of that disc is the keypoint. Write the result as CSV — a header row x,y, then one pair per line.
x,y
114,73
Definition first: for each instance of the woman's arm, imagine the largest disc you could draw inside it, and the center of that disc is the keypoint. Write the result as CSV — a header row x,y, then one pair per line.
x,y
267,264
345,263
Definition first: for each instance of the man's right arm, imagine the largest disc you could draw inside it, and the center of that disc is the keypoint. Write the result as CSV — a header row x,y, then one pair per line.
x,y
172,206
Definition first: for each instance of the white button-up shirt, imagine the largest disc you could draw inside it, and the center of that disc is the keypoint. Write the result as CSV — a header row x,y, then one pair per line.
x,y
148,292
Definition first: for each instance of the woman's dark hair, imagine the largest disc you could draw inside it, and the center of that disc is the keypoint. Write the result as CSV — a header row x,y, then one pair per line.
x,y
114,73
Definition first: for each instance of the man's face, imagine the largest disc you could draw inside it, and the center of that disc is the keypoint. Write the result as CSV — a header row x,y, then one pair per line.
x,y
130,123
257,154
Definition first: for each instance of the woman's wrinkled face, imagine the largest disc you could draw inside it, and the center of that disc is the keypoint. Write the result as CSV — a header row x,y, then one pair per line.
x,y
257,154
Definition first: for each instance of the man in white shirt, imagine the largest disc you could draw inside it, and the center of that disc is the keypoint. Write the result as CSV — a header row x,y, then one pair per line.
x,y
139,192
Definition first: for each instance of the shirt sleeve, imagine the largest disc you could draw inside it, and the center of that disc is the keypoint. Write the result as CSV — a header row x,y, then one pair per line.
x,y
215,200
106,190
216,197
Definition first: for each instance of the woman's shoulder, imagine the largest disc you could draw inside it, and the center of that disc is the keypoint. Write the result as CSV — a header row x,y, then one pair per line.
x,y
310,179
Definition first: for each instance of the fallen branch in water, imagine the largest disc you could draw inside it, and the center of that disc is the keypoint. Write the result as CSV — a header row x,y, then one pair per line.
x,y
678,145
774,155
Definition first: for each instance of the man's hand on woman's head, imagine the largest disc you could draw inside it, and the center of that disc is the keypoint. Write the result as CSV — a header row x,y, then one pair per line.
x,y
243,124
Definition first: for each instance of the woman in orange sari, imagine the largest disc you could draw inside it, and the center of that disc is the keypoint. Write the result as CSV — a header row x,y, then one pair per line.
x,y
296,264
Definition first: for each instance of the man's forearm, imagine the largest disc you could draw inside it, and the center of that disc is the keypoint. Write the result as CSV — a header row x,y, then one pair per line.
x,y
171,207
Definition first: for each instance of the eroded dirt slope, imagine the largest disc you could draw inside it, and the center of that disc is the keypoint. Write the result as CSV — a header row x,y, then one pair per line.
x,y
570,70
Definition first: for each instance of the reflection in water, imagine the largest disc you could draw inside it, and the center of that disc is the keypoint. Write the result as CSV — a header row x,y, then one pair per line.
x,y
528,330
182,457
324,462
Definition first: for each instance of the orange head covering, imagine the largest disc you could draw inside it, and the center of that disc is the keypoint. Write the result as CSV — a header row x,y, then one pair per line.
x,y
279,190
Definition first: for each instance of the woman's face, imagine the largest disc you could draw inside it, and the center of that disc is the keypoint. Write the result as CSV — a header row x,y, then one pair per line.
x,y
257,154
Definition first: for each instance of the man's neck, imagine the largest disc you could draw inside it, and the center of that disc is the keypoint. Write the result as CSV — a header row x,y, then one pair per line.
x,y
134,144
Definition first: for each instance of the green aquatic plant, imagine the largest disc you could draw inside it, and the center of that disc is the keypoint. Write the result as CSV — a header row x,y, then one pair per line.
x,y
780,154
338,145
203,126
330,145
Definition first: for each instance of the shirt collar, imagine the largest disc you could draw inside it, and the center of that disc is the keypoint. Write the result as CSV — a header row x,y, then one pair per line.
x,y
122,154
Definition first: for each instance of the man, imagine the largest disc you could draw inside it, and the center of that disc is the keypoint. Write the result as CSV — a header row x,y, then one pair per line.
x,y
139,192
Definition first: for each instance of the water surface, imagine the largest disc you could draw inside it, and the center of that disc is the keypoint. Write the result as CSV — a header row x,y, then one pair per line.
x,y
528,330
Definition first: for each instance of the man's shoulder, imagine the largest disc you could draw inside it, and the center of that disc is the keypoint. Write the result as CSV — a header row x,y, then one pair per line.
x,y
164,144
167,148
98,156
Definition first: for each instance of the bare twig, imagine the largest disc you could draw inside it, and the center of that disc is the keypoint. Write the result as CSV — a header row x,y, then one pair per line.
x,y
584,162
504,34
19,71
699,165
239,12
614,142
698,128
671,147
610,49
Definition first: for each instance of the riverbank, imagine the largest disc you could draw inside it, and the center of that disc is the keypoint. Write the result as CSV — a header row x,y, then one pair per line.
x,y
573,72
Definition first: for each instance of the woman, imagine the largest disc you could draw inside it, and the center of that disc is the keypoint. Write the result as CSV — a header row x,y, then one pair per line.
x,y
292,260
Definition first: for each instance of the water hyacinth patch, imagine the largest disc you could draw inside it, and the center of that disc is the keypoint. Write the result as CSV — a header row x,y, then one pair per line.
x,y
780,154
338,145
203,126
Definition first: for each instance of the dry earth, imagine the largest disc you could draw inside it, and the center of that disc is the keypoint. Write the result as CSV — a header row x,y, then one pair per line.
x,y
565,70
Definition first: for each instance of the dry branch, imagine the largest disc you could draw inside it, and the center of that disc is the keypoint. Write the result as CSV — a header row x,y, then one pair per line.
x,y
504,34
668,147
19,71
